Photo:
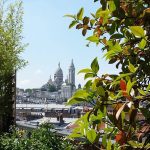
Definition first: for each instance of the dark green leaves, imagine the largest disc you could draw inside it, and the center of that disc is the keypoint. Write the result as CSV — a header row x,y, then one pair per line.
x,y
95,65
116,36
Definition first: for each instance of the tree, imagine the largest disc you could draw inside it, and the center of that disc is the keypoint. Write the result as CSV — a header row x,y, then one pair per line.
x,y
28,91
42,138
51,88
122,28
10,48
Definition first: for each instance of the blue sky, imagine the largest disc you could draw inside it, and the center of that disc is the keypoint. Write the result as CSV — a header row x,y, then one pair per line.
x,y
50,41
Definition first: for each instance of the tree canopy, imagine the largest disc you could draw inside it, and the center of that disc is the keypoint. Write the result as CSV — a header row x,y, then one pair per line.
x,y
10,37
122,29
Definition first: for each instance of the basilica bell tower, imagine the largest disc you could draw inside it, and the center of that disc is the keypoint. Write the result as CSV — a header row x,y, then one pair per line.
x,y
71,74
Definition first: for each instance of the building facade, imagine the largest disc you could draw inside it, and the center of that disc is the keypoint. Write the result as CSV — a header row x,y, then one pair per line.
x,y
65,88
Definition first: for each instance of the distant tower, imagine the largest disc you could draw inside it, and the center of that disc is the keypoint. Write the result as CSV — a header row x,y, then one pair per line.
x,y
58,77
72,73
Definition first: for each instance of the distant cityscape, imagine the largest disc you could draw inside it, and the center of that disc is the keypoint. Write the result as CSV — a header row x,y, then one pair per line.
x,y
57,90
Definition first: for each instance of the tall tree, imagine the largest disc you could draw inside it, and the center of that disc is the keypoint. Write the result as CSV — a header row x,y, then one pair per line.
x,y
122,28
10,48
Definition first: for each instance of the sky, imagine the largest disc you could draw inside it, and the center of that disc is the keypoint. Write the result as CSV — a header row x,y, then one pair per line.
x,y
50,41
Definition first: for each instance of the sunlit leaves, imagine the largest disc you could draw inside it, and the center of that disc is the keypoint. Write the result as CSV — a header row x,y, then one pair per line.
x,y
72,24
109,143
132,68
114,49
129,86
121,29
80,14
142,92
11,39
93,39
137,31
142,44
78,97
70,16
91,135
86,70
112,6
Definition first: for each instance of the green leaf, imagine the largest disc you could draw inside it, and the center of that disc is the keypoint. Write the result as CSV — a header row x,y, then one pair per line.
x,y
70,16
80,14
116,36
135,144
91,135
92,21
104,14
94,88
142,92
109,145
142,44
75,100
75,135
122,76
129,86
93,39
89,75
88,84
148,88
72,24
132,68
95,65
113,49
81,93
86,70
137,31
78,97
100,91
112,6
104,140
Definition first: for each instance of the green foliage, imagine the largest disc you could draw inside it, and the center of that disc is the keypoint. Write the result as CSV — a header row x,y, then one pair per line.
x,y
39,139
11,47
28,90
11,39
122,29
51,88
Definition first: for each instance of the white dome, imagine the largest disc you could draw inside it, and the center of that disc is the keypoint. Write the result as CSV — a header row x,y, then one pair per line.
x,y
59,71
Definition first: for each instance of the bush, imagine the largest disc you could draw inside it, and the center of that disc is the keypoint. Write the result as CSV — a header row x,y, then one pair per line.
x,y
37,139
